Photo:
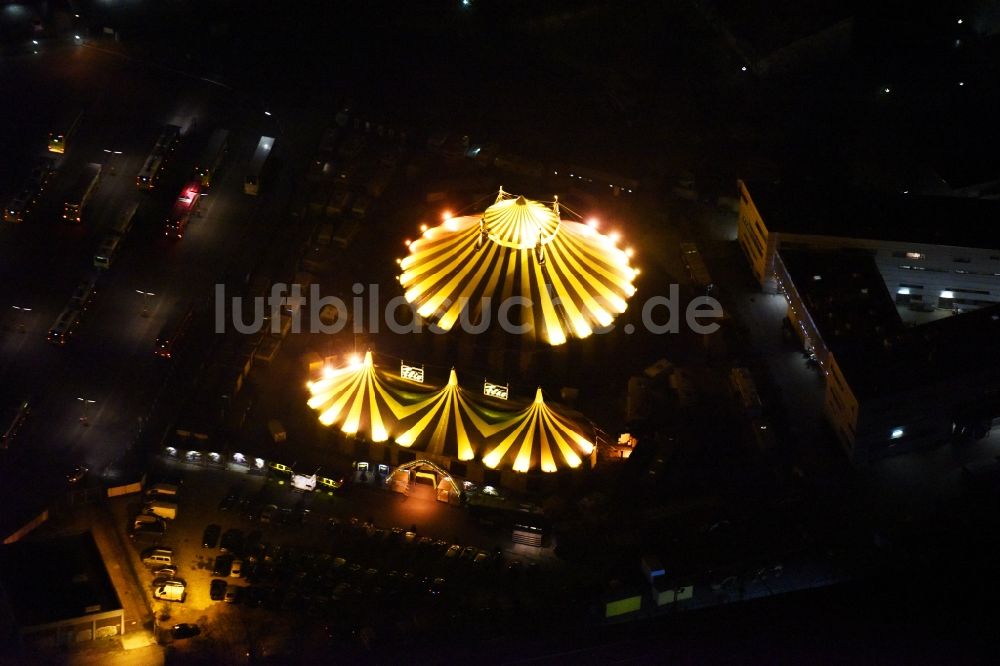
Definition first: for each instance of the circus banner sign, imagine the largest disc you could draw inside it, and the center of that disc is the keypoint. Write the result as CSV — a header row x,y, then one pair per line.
x,y
414,373
496,390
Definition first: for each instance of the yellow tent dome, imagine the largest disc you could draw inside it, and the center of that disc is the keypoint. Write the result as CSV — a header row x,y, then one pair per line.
x,y
568,279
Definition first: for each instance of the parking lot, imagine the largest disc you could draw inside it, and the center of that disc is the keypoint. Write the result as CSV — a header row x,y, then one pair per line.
x,y
317,558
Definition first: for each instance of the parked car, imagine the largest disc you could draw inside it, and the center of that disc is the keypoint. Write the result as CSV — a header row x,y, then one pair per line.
x,y
184,630
210,538
233,594
141,519
267,513
236,570
158,528
222,566
453,551
437,586
232,541
165,572
217,591
469,553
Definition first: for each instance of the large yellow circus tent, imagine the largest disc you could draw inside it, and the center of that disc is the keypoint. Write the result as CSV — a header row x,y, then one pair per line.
x,y
567,278
448,422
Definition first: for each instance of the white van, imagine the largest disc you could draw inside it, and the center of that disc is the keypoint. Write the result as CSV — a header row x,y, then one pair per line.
x,y
165,510
171,590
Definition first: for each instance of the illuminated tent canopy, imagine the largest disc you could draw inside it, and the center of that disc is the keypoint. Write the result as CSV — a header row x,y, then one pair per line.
x,y
570,278
537,437
448,421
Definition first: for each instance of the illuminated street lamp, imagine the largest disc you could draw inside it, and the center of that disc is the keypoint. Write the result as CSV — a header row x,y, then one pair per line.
x,y
277,122
111,156
145,301
20,323
83,417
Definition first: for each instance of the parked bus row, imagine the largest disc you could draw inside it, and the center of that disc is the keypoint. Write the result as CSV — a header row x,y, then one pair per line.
x,y
30,191
68,320
152,167
80,193
113,240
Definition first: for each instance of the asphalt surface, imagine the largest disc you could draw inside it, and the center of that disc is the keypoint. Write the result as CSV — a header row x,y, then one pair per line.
x,y
109,360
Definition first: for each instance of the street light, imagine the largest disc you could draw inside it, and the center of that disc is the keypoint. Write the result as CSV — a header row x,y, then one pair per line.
x,y
83,417
112,153
145,301
20,324
277,123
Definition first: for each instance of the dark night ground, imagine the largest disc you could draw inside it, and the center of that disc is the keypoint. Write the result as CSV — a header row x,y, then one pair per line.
x,y
499,75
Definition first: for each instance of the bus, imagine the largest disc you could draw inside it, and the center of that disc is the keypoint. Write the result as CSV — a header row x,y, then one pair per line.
x,y
171,334
184,207
64,132
80,193
14,417
745,389
150,172
695,266
123,223
252,183
21,204
109,247
210,161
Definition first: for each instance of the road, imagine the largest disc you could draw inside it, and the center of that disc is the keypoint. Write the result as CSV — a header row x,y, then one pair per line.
x,y
109,359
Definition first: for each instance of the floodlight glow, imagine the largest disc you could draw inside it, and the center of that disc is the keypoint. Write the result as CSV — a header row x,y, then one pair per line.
x,y
423,228
629,252
593,223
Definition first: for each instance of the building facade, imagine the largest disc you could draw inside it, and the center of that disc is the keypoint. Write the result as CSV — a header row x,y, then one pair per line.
x,y
960,269
889,388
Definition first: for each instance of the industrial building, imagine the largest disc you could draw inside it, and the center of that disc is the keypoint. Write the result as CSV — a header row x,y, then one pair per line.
x,y
56,592
849,265
932,251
